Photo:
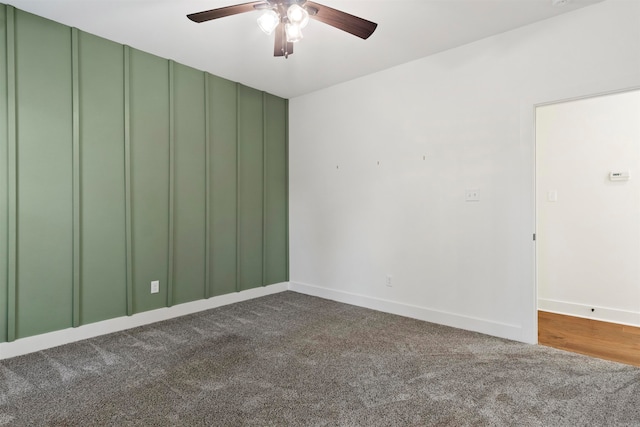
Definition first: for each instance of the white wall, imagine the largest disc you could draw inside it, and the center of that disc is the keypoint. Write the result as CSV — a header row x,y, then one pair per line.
x,y
461,119
589,233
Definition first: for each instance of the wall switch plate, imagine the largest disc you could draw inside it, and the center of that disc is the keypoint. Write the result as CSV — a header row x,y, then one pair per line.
x,y
388,281
155,286
552,195
472,195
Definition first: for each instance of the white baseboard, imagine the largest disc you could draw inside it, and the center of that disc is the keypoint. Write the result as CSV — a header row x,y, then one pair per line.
x,y
502,330
631,318
66,336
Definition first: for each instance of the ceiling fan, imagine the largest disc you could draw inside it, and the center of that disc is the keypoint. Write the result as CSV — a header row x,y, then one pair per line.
x,y
288,17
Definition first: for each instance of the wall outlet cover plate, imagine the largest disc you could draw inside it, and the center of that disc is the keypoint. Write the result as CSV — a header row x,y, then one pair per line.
x,y
472,195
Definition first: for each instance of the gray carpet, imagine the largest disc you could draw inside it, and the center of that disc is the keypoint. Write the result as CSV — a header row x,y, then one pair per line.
x,y
291,359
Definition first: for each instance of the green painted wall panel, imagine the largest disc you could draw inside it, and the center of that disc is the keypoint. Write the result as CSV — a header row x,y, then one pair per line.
x,y
189,165
43,62
189,186
103,256
275,231
149,97
250,188
3,176
223,186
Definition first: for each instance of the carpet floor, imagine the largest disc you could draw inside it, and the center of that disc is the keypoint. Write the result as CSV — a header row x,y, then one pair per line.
x,y
292,359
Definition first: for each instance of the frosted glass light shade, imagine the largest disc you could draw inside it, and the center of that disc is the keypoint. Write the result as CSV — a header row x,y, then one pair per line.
x,y
294,32
268,21
298,15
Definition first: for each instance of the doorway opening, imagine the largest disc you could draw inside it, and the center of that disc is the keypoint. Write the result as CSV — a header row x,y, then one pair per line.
x,y
588,225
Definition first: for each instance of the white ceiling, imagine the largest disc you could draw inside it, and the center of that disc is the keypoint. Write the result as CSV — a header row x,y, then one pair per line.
x,y
234,47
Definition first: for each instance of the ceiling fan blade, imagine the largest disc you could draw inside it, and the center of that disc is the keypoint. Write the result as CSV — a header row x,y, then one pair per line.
x,y
281,46
221,12
342,20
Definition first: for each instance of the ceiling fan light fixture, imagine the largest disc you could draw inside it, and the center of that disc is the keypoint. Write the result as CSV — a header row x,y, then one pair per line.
x,y
298,15
294,32
287,18
268,21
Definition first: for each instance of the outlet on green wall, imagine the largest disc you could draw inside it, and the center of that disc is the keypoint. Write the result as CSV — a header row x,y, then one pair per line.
x,y
124,168
149,103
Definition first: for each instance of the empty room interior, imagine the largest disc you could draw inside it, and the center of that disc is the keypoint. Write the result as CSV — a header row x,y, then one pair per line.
x,y
394,212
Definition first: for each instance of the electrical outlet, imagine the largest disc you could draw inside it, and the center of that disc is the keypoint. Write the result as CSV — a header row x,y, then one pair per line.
x,y
472,195
155,286
389,282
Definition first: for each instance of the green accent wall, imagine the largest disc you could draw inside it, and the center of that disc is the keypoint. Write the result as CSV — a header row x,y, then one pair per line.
x,y
44,166
223,138
250,188
102,197
275,191
120,168
189,207
149,103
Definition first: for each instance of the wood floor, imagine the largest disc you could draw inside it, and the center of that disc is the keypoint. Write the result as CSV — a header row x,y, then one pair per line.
x,y
611,341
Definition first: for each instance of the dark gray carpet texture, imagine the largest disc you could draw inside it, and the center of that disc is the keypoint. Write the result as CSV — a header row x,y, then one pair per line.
x,y
293,360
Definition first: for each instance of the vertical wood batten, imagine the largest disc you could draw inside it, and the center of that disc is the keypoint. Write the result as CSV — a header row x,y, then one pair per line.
x,y
238,206
75,107
286,162
4,162
12,171
207,187
264,188
127,177
172,140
